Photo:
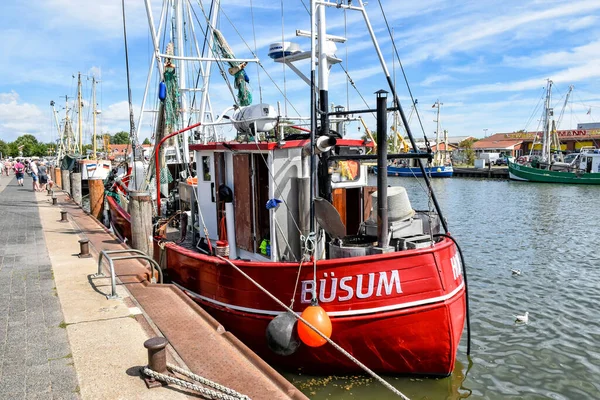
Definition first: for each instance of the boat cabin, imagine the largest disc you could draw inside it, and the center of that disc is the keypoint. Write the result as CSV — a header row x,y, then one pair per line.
x,y
253,195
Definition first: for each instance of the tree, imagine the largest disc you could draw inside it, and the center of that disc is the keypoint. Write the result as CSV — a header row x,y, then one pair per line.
x,y
467,147
4,149
120,138
146,141
28,143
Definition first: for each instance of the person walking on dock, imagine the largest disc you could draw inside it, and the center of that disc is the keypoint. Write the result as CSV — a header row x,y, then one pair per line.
x,y
34,175
19,171
43,176
7,166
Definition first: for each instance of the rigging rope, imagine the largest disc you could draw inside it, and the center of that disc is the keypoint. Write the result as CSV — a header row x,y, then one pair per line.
x,y
241,80
318,332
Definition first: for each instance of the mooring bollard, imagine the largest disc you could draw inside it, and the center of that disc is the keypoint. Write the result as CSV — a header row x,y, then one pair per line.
x,y
157,359
84,248
63,216
53,200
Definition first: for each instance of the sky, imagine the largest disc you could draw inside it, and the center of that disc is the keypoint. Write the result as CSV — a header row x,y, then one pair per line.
x,y
486,62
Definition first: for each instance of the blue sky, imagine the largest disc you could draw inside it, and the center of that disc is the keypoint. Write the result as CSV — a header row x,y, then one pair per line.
x,y
486,61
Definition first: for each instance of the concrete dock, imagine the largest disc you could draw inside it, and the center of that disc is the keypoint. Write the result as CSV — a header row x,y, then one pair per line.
x,y
490,173
62,338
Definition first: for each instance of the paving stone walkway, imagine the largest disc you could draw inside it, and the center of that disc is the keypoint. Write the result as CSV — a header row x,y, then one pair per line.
x,y
35,356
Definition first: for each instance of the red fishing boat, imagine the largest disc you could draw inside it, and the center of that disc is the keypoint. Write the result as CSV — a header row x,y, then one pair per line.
x,y
286,212
397,312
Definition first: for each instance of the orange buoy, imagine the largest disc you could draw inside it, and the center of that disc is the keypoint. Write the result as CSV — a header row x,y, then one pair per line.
x,y
317,317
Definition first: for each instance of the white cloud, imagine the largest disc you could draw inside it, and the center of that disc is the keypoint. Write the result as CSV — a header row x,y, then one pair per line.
x,y
586,54
430,80
18,118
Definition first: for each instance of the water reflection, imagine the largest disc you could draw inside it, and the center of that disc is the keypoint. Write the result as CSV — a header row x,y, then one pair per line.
x,y
550,233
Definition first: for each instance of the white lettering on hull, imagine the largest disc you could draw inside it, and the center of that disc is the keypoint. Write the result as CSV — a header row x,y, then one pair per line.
x,y
456,266
347,287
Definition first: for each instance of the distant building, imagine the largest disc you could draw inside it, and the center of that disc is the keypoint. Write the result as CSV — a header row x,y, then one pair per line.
x,y
589,125
456,152
517,144
119,152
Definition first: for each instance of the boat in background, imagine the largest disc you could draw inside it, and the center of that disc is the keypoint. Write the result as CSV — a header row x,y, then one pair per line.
x,y
389,280
440,166
550,166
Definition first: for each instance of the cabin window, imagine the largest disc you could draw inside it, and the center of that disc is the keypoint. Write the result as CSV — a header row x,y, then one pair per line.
x,y
345,171
206,168
261,196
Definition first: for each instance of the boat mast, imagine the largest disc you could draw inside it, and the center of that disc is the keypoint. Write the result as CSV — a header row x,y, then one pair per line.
x,y
94,113
180,52
60,144
436,159
324,182
547,114
323,70
204,101
67,128
79,119
395,126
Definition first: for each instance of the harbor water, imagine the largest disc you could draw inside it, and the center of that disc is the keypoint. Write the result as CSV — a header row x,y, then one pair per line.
x,y
550,233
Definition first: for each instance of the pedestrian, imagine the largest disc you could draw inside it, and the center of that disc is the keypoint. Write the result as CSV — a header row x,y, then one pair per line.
x,y
43,175
2,167
19,171
7,167
34,175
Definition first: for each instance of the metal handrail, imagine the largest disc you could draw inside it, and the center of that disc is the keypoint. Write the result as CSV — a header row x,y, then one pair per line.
x,y
139,255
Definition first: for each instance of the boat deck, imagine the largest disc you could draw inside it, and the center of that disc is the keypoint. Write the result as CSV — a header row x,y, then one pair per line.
x,y
199,340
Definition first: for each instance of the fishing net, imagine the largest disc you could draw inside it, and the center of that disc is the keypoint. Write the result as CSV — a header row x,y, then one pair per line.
x,y
165,175
172,98
241,79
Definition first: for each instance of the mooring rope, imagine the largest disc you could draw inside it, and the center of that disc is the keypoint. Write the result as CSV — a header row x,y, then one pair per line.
x,y
218,392
331,342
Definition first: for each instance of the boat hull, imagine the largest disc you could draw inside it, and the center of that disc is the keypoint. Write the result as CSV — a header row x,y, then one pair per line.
x,y
414,330
120,220
526,173
435,172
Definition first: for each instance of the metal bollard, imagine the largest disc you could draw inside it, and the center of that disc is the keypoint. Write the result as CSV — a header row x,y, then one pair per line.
x,y
84,249
53,200
63,216
157,359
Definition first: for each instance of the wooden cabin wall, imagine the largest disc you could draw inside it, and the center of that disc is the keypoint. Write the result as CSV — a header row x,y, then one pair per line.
x,y
243,201
349,204
287,167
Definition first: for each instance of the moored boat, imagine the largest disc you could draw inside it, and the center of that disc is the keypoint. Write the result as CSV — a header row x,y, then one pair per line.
x,y
550,166
294,212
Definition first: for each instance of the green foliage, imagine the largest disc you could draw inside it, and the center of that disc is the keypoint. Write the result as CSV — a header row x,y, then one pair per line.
x,y
467,147
146,141
31,147
120,138
4,149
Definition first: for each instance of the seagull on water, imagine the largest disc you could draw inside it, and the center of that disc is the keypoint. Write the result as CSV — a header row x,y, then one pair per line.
x,y
516,271
522,319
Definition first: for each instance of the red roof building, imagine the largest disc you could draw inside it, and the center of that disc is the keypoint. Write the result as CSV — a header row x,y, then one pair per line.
x,y
521,143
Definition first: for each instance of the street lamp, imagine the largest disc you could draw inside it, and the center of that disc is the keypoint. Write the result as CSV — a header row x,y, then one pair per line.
x,y
485,132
